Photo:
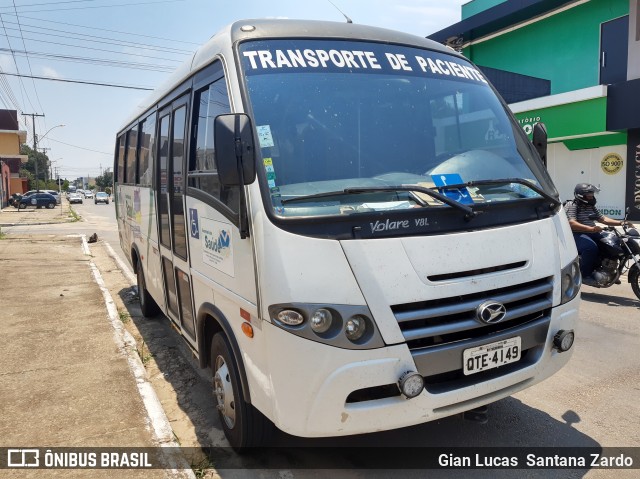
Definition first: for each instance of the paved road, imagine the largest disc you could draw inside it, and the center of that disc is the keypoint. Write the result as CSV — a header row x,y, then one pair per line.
x,y
592,402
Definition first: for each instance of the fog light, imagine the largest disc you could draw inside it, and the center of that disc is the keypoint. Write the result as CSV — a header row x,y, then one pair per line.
x,y
563,340
355,328
321,320
411,384
290,317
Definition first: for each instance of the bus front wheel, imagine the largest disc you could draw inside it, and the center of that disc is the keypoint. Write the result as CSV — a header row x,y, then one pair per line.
x,y
148,306
243,425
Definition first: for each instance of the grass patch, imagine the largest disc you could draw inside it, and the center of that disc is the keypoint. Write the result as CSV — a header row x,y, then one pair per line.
x,y
145,357
73,214
2,235
124,316
202,467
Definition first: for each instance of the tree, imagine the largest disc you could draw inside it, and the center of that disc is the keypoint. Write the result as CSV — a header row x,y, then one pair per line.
x,y
105,180
33,157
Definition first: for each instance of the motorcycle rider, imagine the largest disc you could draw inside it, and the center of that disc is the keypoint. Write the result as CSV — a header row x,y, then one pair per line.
x,y
586,233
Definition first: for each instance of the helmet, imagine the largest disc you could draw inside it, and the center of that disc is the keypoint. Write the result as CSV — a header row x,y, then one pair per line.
x,y
583,189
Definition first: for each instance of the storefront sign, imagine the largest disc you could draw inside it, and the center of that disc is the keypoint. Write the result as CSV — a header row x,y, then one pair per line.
x,y
528,122
612,211
612,163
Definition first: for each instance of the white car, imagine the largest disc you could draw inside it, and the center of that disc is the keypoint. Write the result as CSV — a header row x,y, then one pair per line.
x,y
88,194
101,197
75,198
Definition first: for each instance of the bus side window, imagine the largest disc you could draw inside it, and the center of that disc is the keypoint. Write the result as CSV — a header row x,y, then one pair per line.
x,y
209,102
120,161
145,155
132,144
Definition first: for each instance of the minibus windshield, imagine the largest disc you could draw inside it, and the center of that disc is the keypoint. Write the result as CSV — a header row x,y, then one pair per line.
x,y
334,116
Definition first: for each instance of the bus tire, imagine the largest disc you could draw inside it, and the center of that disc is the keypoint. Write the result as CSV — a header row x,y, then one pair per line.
x,y
148,306
243,425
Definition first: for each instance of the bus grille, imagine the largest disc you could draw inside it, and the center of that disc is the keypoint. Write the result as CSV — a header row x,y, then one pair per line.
x,y
437,332
443,321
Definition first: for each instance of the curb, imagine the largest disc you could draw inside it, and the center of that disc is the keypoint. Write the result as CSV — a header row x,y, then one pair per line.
x,y
159,423
7,225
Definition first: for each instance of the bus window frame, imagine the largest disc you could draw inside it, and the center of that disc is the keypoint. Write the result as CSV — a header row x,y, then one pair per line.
x,y
202,79
153,113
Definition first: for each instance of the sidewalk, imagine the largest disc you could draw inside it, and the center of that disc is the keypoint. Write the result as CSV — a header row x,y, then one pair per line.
x,y
66,375
11,216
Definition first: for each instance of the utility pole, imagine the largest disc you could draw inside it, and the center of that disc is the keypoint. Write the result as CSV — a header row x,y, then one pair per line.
x,y
47,175
35,142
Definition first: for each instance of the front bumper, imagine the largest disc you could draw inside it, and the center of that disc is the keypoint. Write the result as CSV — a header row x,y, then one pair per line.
x,y
312,383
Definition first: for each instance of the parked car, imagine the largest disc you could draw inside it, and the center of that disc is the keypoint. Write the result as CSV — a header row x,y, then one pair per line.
x,y
75,198
37,200
88,194
55,194
101,197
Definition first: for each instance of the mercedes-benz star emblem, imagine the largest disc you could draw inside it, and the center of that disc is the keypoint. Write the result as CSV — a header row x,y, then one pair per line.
x,y
491,312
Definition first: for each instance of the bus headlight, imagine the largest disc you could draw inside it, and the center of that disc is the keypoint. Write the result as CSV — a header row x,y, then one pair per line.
x,y
290,317
570,281
355,328
321,320
343,326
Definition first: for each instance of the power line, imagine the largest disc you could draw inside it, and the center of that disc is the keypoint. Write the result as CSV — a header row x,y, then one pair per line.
x,y
81,148
84,47
114,85
111,31
15,62
28,61
98,6
88,38
95,61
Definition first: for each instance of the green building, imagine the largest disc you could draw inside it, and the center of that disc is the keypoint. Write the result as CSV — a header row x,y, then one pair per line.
x,y
575,66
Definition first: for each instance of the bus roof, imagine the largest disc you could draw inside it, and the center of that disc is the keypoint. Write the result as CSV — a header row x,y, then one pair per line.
x,y
223,41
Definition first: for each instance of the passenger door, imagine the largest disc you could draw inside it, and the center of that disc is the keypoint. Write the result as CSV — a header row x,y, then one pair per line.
x,y
222,263
172,146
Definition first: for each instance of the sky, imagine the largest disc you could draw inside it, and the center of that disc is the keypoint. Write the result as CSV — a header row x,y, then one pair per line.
x,y
138,43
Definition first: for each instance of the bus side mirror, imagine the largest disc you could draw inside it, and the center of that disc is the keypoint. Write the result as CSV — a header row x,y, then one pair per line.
x,y
540,141
235,153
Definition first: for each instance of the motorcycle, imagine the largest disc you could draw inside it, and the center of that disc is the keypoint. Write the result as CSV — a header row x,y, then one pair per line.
x,y
619,252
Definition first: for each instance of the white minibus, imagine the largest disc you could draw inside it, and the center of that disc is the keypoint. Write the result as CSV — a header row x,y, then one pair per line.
x,y
348,226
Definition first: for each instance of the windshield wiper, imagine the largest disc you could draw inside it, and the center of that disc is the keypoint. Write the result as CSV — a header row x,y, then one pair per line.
x,y
503,181
468,211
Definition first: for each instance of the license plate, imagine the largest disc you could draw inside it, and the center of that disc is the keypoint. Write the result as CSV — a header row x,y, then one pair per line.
x,y
489,356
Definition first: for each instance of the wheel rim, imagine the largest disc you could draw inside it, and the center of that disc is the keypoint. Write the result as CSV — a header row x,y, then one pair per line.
x,y
223,391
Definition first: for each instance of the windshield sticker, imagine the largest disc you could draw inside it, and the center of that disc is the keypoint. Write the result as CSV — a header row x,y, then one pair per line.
x,y
264,136
270,171
263,57
461,195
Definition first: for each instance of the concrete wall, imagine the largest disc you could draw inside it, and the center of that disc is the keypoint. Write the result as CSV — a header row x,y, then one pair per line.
x,y
567,168
563,48
9,143
5,188
18,185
